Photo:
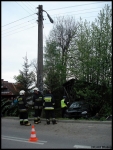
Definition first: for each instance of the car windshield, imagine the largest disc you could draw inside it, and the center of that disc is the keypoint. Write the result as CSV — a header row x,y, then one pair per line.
x,y
75,105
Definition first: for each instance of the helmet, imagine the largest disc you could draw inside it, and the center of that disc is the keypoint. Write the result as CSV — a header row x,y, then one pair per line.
x,y
22,92
36,89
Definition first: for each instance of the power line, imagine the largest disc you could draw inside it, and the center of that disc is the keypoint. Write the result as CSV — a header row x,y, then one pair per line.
x,y
20,31
15,29
17,20
80,13
52,15
72,6
19,24
49,10
22,7
30,5
27,6
76,11
46,23
66,13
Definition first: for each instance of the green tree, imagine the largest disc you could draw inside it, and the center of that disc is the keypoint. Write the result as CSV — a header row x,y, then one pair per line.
x,y
94,49
82,50
57,49
52,65
101,46
26,77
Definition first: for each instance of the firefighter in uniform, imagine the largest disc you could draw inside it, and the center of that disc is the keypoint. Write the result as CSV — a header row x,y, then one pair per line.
x,y
23,109
48,105
63,106
37,105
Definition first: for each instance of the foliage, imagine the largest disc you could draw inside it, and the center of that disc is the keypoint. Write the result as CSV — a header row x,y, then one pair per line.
x,y
7,109
25,78
83,50
98,96
57,51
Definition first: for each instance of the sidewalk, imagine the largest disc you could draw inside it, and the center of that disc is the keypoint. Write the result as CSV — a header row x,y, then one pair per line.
x,y
68,121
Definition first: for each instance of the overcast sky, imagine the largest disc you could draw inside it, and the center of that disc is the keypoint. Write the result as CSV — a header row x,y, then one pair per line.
x,y
19,36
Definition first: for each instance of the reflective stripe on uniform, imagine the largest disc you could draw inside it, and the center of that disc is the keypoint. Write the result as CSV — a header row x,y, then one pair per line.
x,y
38,107
21,120
22,110
38,99
48,99
25,120
20,99
49,108
36,118
21,102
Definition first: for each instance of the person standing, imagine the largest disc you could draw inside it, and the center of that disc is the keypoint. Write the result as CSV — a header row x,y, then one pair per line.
x,y
63,106
48,105
15,101
37,104
23,109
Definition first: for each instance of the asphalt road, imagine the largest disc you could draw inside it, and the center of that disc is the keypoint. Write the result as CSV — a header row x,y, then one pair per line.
x,y
65,134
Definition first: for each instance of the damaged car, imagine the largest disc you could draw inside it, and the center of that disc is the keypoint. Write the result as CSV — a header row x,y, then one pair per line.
x,y
78,109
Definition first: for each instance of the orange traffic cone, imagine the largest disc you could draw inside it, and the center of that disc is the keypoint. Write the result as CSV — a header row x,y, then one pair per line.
x,y
33,137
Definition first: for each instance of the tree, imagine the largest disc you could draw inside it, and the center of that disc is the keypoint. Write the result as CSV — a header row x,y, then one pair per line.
x,y
83,50
94,50
26,77
57,49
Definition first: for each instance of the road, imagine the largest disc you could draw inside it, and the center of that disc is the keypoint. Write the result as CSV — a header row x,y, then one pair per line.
x,y
66,135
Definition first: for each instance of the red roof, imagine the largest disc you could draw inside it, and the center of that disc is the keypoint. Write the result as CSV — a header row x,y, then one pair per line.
x,y
8,88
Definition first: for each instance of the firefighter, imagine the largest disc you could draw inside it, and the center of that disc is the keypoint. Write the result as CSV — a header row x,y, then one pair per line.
x,y
37,105
48,105
63,106
23,109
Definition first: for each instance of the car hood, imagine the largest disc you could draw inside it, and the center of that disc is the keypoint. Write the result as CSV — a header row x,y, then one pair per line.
x,y
76,109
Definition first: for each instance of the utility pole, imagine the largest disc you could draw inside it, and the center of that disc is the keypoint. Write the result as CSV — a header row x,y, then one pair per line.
x,y
40,47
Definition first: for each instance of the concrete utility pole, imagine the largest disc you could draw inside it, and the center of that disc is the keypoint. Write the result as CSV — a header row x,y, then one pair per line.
x,y
40,47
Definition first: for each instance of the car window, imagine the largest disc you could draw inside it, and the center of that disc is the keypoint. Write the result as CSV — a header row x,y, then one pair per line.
x,y
75,105
78,104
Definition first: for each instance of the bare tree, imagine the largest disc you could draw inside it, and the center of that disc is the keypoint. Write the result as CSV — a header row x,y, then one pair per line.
x,y
63,33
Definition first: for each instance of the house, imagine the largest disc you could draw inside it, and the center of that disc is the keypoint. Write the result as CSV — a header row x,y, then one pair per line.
x,y
9,90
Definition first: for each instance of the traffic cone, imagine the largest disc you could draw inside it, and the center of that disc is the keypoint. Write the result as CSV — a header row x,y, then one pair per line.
x,y
33,137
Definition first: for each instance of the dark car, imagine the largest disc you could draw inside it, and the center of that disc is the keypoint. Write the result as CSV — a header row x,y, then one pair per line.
x,y
78,109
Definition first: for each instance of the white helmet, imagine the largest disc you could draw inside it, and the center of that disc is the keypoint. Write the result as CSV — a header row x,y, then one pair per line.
x,y
22,92
36,89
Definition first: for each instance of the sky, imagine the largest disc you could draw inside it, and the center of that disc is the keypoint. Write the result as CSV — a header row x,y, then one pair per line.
x,y
19,28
